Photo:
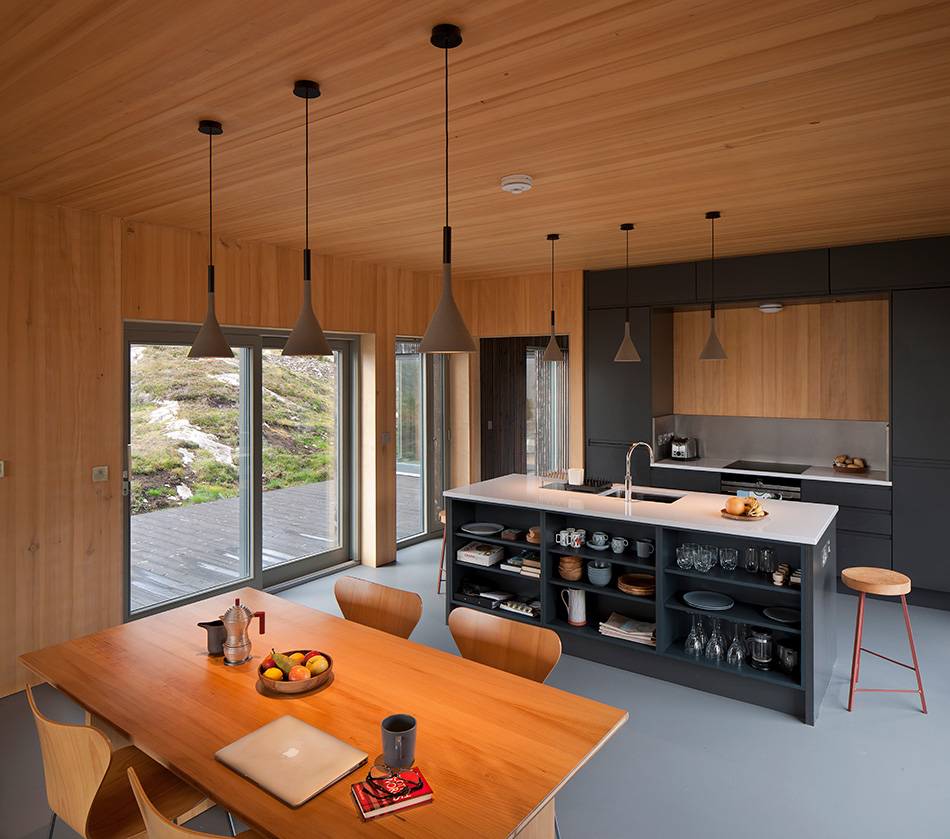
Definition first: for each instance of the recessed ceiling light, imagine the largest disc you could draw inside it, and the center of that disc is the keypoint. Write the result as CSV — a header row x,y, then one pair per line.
x,y
516,184
770,308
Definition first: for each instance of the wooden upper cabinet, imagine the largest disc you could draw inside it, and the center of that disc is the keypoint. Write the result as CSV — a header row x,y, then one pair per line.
x,y
909,263
767,276
649,285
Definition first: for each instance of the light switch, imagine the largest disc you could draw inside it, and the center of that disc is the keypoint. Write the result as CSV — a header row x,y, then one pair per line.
x,y
100,473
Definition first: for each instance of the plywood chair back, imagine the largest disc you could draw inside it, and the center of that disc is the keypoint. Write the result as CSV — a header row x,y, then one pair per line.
x,y
159,827
75,760
87,785
388,609
520,648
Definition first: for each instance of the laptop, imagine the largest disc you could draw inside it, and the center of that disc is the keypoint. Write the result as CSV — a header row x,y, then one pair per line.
x,y
291,759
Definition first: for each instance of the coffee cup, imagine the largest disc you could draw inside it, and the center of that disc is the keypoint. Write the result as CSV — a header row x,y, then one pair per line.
x,y
617,544
599,538
563,538
575,476
645,547
399,741
577,539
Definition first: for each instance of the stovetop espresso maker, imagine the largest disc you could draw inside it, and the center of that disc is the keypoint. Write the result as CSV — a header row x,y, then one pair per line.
x,y
237,620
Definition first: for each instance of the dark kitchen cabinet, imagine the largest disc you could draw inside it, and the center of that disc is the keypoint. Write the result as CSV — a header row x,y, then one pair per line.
x,y
920,353
882,266
921,494
690,480
864,520
649,285
766,276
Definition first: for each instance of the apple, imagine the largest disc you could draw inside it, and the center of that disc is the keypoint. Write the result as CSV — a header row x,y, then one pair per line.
x,y
268,663
317,664
310,655
298,673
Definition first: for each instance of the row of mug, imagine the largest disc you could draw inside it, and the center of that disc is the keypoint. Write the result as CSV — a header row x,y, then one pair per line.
x,y
576,537
704,557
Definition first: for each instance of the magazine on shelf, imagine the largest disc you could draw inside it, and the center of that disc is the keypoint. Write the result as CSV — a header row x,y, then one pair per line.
x,y
478,553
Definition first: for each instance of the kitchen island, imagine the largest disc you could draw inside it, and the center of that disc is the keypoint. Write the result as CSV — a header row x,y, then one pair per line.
x,y
800,535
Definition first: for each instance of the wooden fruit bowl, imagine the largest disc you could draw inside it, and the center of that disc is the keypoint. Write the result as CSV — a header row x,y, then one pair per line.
x,y
849,470
302,686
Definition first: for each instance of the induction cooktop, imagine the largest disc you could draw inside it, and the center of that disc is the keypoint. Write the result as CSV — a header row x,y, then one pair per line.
x,y
765,466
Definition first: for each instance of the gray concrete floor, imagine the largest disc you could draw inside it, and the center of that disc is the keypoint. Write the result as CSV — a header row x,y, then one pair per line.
x,y
686,764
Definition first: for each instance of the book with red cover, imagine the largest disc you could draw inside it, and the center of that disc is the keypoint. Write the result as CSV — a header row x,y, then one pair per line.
x,y
371,807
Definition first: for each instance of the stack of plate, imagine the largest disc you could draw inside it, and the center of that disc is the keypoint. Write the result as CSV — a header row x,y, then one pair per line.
x,y
534,535
570,567
642,585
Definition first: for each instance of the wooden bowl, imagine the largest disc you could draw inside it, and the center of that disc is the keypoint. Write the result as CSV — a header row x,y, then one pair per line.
x,y
302,686
848,470
642,585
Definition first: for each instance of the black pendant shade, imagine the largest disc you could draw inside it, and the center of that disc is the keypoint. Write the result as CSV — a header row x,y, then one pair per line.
x,y
627,350
552,352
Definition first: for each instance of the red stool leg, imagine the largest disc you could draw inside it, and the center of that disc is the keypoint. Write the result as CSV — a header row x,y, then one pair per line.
x,y
856,655
913,652
438,588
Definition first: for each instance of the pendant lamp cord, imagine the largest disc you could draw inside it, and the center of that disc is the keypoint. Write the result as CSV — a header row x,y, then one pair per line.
x,y
627,277
210,206
712,267
446,51
306,170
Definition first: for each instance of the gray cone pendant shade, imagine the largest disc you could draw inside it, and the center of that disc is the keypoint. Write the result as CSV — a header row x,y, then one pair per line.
x,y
307,337
210,341
713,350
553,351
627,351
447,332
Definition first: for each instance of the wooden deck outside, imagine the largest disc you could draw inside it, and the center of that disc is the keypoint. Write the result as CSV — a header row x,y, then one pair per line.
x,y
183,550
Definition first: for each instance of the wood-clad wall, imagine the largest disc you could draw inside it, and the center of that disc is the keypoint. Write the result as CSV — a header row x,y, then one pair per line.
x,y
70,278
822,360
60,415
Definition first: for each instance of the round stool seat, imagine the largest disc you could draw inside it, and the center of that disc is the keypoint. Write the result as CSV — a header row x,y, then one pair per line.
x,y
876,581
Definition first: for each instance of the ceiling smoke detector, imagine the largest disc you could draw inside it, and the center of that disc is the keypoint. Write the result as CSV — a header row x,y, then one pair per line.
x,y
770,308
516,184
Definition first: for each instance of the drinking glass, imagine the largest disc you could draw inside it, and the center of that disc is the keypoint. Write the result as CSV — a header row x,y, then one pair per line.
x,y
716,646
736,654
751,563
728,558
695,641
767,562
705,558
684,557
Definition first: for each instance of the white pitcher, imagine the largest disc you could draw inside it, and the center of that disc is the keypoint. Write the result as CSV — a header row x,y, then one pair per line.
x,y
574,600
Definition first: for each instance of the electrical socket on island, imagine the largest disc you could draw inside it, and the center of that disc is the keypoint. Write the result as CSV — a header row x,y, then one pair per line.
x,y
100,473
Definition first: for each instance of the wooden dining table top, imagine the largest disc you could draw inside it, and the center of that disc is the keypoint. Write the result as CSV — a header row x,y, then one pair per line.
x,y
495,747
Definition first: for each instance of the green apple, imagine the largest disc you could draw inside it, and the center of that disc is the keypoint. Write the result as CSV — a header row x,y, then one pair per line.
x,y
317,665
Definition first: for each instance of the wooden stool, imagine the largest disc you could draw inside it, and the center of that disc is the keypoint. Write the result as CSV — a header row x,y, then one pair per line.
x,y
890,584
438,588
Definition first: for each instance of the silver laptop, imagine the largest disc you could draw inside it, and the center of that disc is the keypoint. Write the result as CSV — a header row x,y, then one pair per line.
x,y
291,759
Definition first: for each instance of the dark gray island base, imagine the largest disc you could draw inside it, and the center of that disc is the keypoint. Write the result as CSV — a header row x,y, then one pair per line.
x,y
799,693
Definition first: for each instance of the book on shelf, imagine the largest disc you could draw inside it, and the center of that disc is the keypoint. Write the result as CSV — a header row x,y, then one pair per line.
x,y
371,805
511,565
531,562
531,572
620,626
478,553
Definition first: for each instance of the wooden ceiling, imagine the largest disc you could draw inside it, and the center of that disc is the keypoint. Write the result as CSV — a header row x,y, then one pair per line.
x,y
807,123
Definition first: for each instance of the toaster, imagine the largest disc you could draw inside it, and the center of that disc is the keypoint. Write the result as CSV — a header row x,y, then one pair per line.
x,y
684,448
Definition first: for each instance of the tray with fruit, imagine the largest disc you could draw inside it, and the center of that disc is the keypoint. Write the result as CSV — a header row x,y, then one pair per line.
x,y
845,463
296,671
743,509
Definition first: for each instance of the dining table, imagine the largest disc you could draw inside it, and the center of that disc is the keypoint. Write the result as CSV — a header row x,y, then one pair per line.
x,y
496,748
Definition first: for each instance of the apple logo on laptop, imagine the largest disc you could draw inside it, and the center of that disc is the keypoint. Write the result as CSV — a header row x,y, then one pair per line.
x,y
293,751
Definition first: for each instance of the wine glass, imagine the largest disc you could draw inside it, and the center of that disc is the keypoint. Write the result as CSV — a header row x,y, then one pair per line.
x,y
695,641
736,654
751,563
716,646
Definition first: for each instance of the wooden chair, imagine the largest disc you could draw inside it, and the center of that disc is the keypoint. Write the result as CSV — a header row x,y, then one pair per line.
x,y
520,648
159,827
388,609
445,533
87,785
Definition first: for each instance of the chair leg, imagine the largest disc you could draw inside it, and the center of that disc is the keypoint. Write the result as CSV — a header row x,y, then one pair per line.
x,y
52,824
557,830
856,655
913,652
438,588
231,823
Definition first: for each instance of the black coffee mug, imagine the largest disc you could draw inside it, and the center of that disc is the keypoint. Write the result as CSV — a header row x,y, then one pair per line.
x,y
399,741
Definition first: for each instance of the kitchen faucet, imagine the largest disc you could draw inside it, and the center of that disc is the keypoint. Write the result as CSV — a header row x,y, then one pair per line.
x,y
628,481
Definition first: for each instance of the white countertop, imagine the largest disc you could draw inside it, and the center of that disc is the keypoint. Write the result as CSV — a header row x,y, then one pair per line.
x,y
812,473
788,521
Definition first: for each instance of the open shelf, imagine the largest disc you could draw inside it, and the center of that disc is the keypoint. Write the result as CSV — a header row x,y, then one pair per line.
x,y
521,544
626,559
746,671
592,632
496,569
608,591
746,613
515,616
739,577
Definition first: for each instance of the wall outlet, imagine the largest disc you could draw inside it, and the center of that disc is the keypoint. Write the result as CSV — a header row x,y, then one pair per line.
x,y
1,468
100,473
385,437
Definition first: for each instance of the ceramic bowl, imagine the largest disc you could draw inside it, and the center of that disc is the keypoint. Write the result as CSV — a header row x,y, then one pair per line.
x,y
599,576
297,687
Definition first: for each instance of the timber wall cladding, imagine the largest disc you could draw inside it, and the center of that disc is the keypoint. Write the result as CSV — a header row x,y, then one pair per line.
x,y
61,376
821,361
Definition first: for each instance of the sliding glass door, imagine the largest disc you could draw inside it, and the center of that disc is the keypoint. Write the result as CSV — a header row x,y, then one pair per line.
x,y
237,469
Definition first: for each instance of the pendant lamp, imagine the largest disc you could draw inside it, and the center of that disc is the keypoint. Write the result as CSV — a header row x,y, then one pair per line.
x,y
307,337
446,332
553,351
627,351
713,350
210,341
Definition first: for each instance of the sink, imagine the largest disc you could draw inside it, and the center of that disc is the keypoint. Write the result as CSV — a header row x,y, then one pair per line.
x,y
618,492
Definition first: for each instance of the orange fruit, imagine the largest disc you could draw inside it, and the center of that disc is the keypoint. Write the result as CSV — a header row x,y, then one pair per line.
x,y
296,656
